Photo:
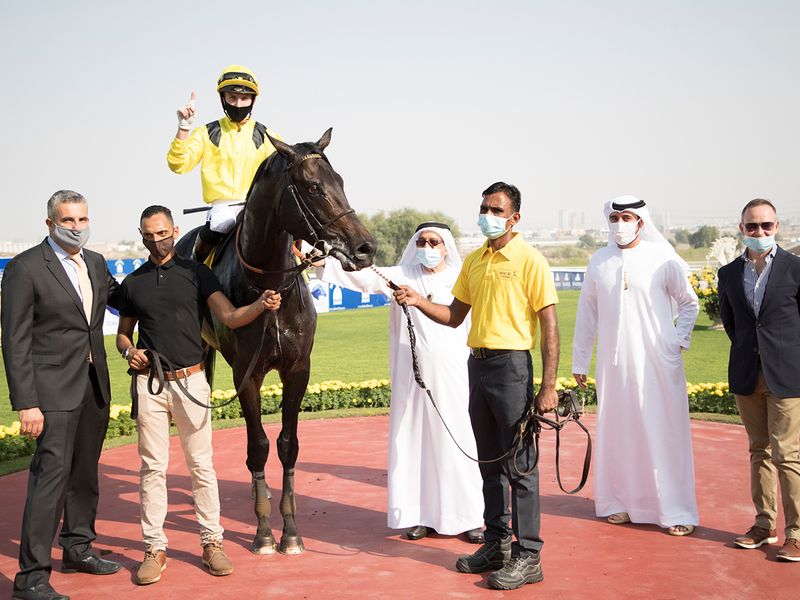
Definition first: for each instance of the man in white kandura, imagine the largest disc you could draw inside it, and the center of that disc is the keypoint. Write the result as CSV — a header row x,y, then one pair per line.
x,y
432,485
644,471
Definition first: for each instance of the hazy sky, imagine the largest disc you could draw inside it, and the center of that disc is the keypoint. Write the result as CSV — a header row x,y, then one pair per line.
x,y
690,105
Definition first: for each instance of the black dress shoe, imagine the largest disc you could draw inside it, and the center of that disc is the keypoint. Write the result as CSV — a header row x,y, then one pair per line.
x,y
92,564
40,591
417,532
475,536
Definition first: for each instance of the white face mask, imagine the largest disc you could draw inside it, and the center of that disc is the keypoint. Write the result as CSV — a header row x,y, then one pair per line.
x,y
429,257
624,232
492,226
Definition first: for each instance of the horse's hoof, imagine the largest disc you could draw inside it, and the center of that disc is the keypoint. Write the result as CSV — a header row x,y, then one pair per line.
x,y
263,546
291,545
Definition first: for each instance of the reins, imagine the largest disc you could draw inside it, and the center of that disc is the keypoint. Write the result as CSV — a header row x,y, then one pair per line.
x,y
319,250
529,426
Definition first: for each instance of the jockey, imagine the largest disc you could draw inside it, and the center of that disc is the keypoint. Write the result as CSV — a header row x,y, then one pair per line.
x,y
231,149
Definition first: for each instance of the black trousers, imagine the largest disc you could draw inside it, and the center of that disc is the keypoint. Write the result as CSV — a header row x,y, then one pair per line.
x,y
500,392
63,479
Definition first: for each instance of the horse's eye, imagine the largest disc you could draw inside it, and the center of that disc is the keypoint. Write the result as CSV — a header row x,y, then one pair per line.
x,y
313,188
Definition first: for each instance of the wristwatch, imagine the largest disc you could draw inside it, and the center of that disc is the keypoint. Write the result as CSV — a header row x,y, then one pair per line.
x,y
127,351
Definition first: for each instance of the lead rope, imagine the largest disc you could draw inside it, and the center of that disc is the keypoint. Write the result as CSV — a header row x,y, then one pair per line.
x,y
412,338
531,418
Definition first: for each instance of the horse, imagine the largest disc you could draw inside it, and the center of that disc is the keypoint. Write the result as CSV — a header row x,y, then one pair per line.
x,y
295,195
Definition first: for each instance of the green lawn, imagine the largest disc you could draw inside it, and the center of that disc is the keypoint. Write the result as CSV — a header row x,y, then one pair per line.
x,y
353,345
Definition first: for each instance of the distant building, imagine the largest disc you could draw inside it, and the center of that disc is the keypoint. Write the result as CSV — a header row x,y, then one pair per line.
x,y
14,248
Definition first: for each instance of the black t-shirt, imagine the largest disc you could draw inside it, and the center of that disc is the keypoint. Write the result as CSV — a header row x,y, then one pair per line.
x,y
169,301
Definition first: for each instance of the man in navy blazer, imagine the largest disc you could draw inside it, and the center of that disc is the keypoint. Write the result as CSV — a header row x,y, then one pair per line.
x,y
759,296
54,296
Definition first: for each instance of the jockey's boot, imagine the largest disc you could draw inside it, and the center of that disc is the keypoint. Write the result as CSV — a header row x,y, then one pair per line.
x,y
201,249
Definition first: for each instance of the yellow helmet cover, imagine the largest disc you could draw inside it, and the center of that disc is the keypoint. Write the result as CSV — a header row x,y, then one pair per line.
x,y
237,78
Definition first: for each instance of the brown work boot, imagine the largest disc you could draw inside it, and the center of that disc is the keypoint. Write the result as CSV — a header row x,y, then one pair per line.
x,y
790,550
756,537
215,559
154,563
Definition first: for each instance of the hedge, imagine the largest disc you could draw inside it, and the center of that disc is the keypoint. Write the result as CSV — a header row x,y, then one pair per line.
x,y
703,397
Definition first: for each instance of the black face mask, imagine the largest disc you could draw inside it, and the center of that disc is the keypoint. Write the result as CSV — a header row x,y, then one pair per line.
x,y
159,250
237,114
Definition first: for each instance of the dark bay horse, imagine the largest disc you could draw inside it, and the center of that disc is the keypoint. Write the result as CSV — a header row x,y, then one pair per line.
x,y
295,195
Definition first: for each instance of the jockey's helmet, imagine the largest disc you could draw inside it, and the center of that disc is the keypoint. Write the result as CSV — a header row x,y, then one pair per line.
x,y
239,79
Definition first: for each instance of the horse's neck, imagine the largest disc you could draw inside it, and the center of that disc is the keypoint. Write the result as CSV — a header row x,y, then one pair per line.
x,y
263,243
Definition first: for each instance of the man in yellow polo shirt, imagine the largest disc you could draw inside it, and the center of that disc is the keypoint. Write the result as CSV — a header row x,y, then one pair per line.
x,y
509,287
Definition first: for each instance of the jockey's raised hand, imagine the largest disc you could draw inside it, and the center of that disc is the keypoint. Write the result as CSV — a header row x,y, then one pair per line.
x,y
186,115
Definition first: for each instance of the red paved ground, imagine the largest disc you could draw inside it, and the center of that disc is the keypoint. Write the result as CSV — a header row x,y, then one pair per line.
x,y
341,497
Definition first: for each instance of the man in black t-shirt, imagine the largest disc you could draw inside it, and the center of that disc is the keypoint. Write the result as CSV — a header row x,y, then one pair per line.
x,y
167,296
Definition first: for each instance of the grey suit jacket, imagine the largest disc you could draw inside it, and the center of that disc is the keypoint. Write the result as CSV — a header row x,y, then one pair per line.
x,y
46,337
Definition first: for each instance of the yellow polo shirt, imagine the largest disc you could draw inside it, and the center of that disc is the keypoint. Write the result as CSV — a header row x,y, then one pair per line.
x,y
505,289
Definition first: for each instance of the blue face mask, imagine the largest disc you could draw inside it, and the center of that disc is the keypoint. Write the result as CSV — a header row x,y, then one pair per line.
x,y
759,244
491,226
429,257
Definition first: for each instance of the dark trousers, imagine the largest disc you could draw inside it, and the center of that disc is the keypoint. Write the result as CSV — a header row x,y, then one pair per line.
x,y
63,479
500,392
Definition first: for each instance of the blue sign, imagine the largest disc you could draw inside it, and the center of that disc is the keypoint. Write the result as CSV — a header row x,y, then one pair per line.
x,y
569,279
340,298
124,266
118,268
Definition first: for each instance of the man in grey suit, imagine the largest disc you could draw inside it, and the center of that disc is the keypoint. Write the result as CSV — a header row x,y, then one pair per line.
x,y
53,299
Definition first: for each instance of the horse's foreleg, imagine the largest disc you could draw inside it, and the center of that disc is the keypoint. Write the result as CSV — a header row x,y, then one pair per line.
x,y
257,452
294,388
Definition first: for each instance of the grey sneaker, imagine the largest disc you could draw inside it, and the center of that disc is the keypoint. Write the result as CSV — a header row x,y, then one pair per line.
x,y
490,556
517,572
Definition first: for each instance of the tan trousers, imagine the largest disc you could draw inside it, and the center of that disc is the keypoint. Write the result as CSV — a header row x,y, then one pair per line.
x,y
773,431
194,428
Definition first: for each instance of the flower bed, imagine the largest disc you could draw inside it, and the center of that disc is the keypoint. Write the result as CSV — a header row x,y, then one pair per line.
x,y
703,397
704,284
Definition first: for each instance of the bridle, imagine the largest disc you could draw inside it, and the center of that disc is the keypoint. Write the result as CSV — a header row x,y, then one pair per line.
x,y
315,230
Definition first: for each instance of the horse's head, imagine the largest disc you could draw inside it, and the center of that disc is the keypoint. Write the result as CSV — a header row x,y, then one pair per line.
x,y
316,209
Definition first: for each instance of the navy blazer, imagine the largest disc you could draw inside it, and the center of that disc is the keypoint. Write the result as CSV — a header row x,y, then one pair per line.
x,y
46,336
773,338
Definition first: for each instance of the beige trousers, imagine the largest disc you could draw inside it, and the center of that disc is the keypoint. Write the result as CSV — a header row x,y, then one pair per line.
x,y
773,431
194,428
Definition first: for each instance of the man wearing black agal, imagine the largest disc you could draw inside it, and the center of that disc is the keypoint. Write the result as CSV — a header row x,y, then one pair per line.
x,y
167,296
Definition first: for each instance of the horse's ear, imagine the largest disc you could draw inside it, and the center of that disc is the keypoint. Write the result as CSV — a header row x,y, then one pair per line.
x,y
283,149
325,139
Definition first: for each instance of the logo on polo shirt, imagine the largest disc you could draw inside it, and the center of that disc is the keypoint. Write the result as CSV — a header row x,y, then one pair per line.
x,y
504,275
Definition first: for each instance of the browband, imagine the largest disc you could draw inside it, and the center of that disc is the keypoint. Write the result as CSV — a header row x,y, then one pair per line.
x,y
302,158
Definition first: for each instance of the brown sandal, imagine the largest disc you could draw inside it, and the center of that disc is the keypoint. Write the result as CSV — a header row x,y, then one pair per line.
x,y
619,518
680,530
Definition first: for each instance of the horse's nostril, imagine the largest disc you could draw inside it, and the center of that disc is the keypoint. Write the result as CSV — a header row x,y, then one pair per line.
x,y
365,250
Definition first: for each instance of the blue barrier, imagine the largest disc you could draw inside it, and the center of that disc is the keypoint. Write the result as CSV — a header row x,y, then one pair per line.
x,y
570,278
327,297
338,298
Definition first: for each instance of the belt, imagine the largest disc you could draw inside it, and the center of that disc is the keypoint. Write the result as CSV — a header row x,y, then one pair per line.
x,y
178,373
487,352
